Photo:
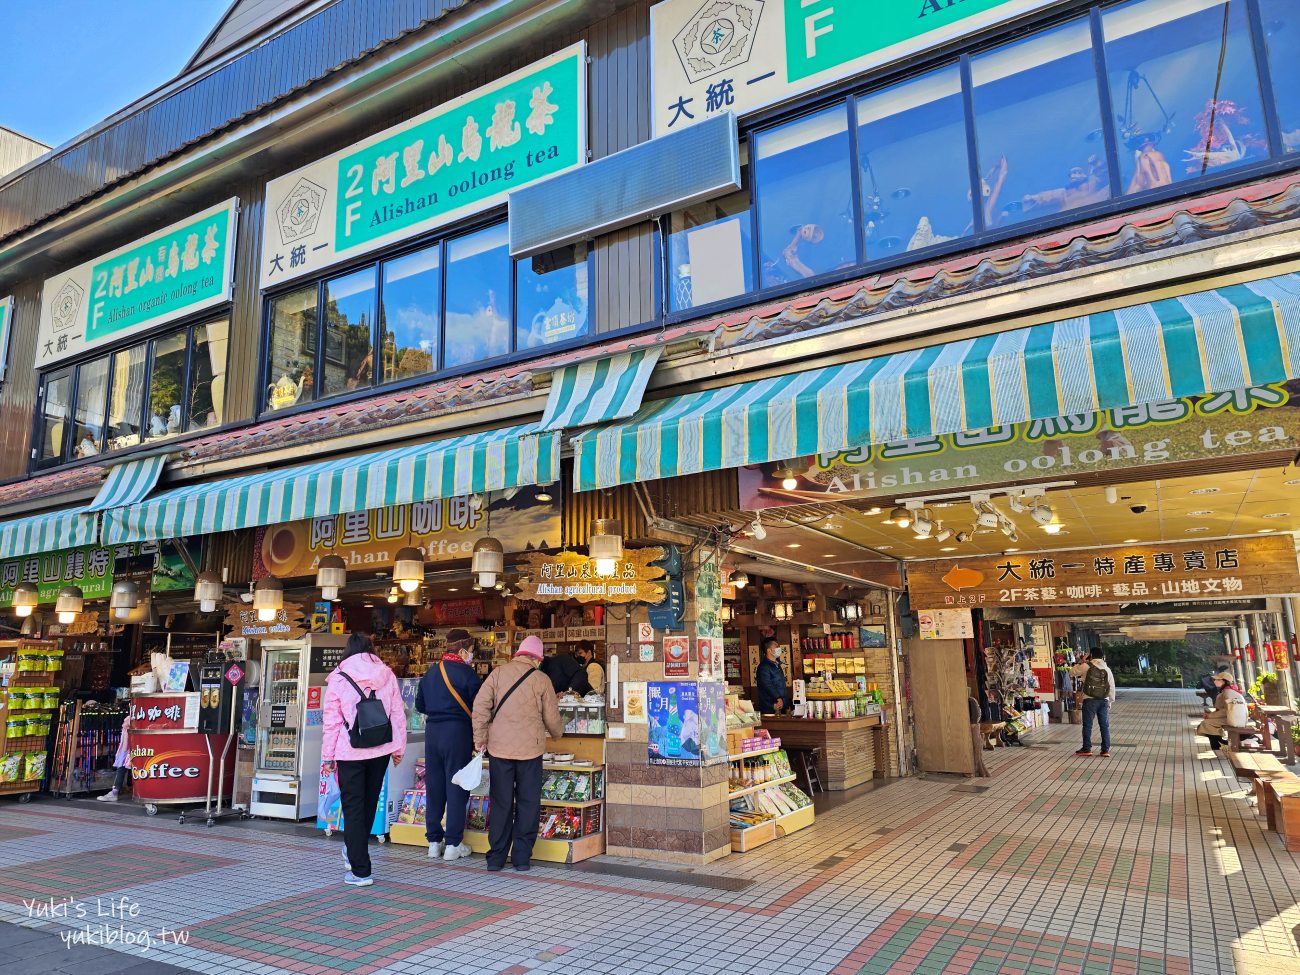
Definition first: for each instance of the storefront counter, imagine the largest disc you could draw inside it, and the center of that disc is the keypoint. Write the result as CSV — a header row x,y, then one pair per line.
x,y
853,750
170,759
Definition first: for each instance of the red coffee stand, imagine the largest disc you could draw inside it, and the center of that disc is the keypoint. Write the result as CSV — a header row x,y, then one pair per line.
x,y
170,759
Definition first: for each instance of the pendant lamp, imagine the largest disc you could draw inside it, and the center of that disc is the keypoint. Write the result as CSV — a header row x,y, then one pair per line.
x,y
606,545
408,569
26,598
488,561
208,591
268,599
331,576
123,599
70,603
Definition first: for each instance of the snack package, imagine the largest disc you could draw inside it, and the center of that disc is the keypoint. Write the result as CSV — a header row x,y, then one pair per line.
x,y
32,726
34,766
15,727
18,700
10,768
51,698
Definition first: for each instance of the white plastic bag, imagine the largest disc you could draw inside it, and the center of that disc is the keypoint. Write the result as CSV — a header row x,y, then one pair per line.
x,y
471,777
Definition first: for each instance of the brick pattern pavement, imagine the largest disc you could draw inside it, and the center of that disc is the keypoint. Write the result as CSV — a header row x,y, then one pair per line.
x,y
1151,862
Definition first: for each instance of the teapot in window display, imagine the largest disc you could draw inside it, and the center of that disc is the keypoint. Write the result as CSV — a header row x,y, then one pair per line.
x,y
283,392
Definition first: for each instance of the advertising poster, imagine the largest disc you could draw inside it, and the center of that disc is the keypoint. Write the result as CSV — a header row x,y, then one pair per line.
x,y
173,766
944,624
673,713
677,656
713,723
704,652
634,702
708,601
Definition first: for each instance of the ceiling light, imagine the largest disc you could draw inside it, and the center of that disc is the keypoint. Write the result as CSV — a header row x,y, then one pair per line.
x,y
757,529
544,495
1130,541
828,555
1053,528
1199,514
986,516
1263,531
1204,490
1011,550
453,588
488,561
783,610
794,545
70,603
1016,501
789,479
1042,513
965,536
408,569
268,598
207,591
1278,514
923,524
331,576
900,516
124,598
394,594
1293,482
850,612
368,605
740,580
950,548
1112,495
605,545
26,598
942,534
875,510
883,548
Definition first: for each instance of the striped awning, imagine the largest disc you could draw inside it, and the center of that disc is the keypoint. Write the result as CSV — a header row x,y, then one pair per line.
x,y
1209,342
129,483
493,461
47,533
600,390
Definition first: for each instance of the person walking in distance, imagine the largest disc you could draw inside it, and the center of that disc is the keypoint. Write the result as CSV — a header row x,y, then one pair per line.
x,y
446,698
514,713
364,729
1098,696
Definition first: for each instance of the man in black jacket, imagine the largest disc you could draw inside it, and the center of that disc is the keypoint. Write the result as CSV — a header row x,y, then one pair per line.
x,y
566,673
446,699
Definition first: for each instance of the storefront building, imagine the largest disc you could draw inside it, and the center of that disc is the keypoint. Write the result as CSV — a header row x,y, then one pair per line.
x,y
746,278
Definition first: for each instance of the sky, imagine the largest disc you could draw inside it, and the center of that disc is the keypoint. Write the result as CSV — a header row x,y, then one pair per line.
x,y
69,64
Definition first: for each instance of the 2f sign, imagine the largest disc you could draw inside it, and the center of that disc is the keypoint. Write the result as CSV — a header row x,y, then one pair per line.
x,y
816,23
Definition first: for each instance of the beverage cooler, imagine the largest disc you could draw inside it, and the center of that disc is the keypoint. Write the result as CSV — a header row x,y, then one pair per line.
x,y
286,772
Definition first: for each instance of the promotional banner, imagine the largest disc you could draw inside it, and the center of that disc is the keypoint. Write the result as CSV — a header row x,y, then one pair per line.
x,y
1250,421
1261,566
444,530
687,723
90,567
179,270
460,158
711,56
165,712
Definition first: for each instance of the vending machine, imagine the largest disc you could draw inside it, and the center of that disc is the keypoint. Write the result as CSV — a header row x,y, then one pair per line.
x,y
289,724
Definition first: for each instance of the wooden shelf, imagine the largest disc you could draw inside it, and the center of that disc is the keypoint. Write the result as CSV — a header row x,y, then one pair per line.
x,y
561,767
762,785
755,752
569,804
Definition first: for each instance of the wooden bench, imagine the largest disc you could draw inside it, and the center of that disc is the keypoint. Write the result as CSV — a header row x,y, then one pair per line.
x,y
1285,739
1235,736
1250,765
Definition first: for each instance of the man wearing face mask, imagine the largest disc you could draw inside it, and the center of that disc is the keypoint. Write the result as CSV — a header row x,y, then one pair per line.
x,y
773,696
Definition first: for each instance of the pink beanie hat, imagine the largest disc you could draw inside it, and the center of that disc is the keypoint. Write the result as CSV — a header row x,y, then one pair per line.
x,y
531,647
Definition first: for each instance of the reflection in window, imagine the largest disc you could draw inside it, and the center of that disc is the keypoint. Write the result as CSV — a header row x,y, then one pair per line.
x,y
552,297
805,205
349,336
292,350
711,250
478,297
1282,38
54,418
1185,88
1038,125
208,375
412,308
166,387
92,390
126,397
915,174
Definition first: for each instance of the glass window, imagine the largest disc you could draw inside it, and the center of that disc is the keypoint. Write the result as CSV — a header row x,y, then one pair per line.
x,y
915,175
711,250
1282,37
349,333
292,352
54,416
552,297
1038,124
126,397
207,397
804,181
1185,88
478,297
92,392
412,314
167,387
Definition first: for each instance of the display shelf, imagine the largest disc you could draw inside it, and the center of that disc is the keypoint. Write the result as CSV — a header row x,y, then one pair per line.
x,y
547,851
572,804
795,821
762,785
752,837
562,767
831,697
755,753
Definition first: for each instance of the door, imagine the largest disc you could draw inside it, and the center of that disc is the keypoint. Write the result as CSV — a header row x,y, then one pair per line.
x,y
939,701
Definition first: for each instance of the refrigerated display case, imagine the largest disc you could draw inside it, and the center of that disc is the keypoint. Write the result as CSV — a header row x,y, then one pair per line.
x,y
286,770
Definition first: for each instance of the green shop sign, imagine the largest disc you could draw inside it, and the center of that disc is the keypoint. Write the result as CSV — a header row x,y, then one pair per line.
x,y
90,568
458,159
181,269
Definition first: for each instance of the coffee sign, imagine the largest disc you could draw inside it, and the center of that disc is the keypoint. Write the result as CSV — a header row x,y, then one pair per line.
x,y
242,620
568,575
1233,567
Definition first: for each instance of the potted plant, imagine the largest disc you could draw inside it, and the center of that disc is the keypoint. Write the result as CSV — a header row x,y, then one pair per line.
x,y
1266,689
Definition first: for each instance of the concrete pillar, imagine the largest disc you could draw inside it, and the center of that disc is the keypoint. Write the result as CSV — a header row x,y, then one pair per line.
x,y
1243,641
1284,672
1230,648
1258,635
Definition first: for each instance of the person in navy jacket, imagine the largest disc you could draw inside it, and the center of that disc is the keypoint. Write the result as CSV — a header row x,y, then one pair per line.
x,y
446,699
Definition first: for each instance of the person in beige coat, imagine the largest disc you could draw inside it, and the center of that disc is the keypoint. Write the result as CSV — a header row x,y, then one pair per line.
x,y
513,713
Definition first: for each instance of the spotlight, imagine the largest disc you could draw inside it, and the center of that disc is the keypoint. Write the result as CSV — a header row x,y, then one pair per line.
x,y
942,534
757,529
965,536
923,524
1112,495
900,516
986,516
1042,513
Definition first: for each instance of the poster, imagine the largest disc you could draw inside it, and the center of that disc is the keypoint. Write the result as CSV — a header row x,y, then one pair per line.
x,y
673,713
872,637
677,656
713,723
634,702
704,652
944,624
646,653
708,600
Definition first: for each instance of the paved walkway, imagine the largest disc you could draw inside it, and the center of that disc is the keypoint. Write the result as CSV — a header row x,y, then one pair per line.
x,y
1151,862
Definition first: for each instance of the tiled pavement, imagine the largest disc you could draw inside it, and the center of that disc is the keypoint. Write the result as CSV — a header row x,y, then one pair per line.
x,y
1151,862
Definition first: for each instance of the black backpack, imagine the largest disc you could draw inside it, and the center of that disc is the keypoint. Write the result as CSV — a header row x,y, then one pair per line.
x,y
1096,684
373,727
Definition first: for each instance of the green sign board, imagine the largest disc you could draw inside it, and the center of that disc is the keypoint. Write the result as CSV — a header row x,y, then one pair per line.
x,y
177,271
824,34
90,568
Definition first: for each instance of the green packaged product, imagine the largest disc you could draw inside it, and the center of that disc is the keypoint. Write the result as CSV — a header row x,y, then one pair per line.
x,y
50,698
32,726
11,767
15,727
34,766
18,700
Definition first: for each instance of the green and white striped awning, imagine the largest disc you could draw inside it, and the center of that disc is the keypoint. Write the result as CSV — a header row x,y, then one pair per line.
x,y
46,533
129,483
1210,342
600,390
493,461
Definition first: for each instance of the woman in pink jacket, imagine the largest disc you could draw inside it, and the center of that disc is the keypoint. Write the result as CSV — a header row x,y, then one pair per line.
x,y
360,770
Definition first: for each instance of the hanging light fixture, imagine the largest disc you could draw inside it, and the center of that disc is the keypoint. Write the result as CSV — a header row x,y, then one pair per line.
x,y
740,579
26,598
124,598
331,576
268,599
605,545
414,598
207,591
727,613
923,523
850,612
394,594
70,604
1042,513
544,494
787,476
900,516
941,534
488,561
783,610
986,516
408,569
31,626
